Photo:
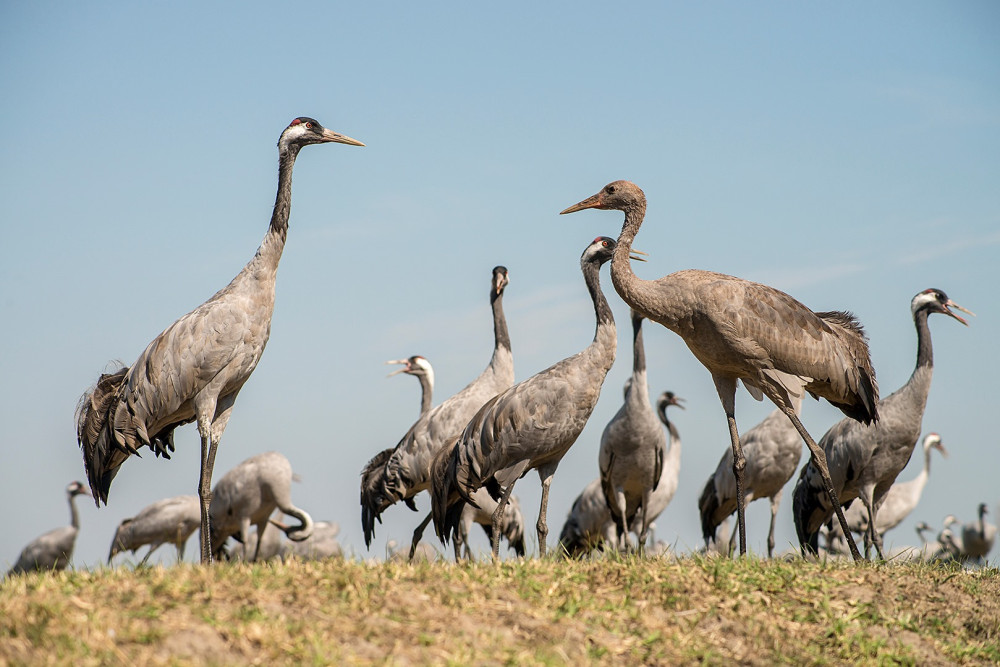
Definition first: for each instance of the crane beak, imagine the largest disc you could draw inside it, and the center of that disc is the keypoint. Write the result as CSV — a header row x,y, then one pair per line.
x,y
634,254
951,304
406,366
938,446
329,136
589,202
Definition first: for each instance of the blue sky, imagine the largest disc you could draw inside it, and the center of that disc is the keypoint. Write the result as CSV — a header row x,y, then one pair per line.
x,y
846,153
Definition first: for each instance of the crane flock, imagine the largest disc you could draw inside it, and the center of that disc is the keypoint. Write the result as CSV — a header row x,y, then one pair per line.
x,y
469,451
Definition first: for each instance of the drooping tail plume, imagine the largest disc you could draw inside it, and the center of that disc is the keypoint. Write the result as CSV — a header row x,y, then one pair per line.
x,y
102,454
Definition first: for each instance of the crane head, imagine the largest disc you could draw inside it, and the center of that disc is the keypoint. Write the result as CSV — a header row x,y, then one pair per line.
x,y
501,278
936,301
619,195
304,131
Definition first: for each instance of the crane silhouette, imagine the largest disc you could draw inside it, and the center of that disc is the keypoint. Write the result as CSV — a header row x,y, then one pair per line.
x,y
167,521
745,331
194,370
54,549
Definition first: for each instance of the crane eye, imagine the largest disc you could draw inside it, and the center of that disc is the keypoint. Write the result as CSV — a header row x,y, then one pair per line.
x,y
611,189
309,125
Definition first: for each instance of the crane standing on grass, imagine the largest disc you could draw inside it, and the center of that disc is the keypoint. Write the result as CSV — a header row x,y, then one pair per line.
x,y
194,370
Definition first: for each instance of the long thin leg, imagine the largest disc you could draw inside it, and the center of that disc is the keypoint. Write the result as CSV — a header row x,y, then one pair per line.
x,y
418,533
726,387
205,495
497,519
819,460
542,526
152,548
775,502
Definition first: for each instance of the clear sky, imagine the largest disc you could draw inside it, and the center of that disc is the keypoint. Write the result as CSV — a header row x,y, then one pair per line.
x,y
847,153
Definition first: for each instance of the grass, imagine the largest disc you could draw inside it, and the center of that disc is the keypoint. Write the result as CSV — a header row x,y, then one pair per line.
x,y
544,612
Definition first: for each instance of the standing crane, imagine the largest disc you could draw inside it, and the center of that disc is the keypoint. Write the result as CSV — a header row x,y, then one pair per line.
x,y
633,446
773,449
54,549
533,424
249,494
194,370
167,521
978,537
405,471
740,330
589,524
867,460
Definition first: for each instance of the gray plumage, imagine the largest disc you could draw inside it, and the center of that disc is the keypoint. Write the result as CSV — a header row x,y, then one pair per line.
x,y
902,497
533,424
978,537
511,525
248,495
633,446
54,549
589,524
865,460
773,449
194,370
405,471
167,521
745,331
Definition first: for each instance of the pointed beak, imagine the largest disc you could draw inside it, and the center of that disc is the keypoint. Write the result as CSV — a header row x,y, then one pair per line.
x,y
406,366
940,447
634,254
589,202
329,136
677,400
951,304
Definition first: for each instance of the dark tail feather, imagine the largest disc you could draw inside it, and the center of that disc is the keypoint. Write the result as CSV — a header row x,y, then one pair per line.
x,y
102,454
373,493
708,505
865,406
445,494
804,505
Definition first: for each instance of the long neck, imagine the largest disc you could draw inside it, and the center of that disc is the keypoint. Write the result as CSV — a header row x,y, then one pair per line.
x,y
74,518
269,252
426,392
501,336
605,319
638,350
925,352
914,393
675,436
927,461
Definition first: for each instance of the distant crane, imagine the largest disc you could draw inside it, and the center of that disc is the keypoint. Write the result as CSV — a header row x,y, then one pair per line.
x,y
589,524
746,331
54,549
320,545
866,460
421,369
167,521
534,423
197,366
249,494
773,449
633,446
978,537
403,472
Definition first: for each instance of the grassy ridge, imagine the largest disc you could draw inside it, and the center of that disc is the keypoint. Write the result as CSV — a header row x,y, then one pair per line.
x,y
533,612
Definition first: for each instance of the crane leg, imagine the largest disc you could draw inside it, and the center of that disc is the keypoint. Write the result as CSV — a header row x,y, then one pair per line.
x,y
819,460
208,449
739,466
775,502
497,521
541,526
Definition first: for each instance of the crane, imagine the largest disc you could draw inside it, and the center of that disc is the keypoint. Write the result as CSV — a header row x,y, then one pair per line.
x,y
589,524
421,369
773,449
54,549
633,446
749,332
533,424
194,370
866,460
978,537
249,494
167,521
405,471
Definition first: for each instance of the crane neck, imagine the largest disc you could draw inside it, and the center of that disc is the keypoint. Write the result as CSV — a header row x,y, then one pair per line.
x,y
638,349
675,436
925,351
74,517
269,252
501,336
426,392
